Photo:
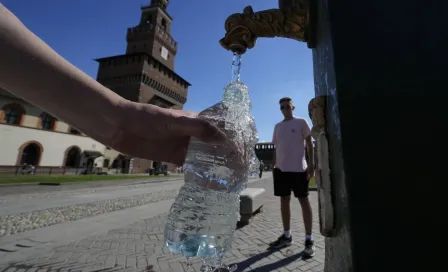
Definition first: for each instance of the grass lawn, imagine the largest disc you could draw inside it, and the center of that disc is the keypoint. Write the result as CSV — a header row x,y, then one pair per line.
x,y
67,178
313,183
82,178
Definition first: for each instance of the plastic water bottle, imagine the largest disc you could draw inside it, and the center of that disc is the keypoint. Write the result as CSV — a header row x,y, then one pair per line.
x,y
204,215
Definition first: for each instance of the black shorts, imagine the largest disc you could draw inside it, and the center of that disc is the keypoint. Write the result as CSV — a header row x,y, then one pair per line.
x,y
285,182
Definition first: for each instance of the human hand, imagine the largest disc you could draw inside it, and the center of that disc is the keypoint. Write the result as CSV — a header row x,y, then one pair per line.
x,y
150,132
231,159
310,172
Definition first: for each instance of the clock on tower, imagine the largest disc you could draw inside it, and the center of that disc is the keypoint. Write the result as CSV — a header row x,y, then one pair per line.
x,y
164,53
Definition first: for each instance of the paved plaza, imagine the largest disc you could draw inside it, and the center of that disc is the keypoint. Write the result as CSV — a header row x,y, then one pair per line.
x,y
125,237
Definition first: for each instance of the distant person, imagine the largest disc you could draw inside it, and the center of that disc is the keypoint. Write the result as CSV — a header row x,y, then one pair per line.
x,y
28,169
291,172
32,169
33,71
23,168
261,168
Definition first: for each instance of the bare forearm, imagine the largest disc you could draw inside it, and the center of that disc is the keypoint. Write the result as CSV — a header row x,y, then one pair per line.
x,y
310,152
30,69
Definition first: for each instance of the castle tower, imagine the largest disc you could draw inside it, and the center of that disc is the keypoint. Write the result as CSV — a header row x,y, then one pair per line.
x,y
145,73
152,34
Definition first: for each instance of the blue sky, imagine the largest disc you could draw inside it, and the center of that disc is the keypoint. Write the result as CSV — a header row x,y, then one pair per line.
x,y
84,30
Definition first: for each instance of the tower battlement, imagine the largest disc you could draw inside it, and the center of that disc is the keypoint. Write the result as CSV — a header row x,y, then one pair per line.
x,y
140,32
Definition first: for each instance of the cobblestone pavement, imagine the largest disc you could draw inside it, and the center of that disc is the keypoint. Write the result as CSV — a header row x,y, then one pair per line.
x,y
17,223
139,247
23,212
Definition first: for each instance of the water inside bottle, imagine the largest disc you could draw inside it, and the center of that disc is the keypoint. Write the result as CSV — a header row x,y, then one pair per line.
x,y
201,222
203,217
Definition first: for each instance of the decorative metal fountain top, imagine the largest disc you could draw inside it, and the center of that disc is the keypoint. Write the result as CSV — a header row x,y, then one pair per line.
x,y
243,29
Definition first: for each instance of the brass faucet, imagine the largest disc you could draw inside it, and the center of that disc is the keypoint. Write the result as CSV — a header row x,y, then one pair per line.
x,y
294,22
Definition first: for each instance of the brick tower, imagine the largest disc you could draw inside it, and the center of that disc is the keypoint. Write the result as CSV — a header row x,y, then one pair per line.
x,y
145,73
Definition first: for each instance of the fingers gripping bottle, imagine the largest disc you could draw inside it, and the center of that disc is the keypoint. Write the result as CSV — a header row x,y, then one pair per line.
x,y
203,217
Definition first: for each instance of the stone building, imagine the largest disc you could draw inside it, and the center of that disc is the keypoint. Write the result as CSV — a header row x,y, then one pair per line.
x,y
265,153
33,136
145,73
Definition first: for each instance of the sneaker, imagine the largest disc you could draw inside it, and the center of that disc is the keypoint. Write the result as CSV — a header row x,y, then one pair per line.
x,y
309,248
282,241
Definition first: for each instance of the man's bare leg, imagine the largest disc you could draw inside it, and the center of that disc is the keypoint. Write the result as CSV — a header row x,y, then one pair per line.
x,y
307,214
286,238
308,222
285,208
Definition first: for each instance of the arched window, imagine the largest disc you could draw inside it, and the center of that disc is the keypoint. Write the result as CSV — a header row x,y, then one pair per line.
x,y
30,153
148,19
47,121
13,114
106,163
164,24
73,156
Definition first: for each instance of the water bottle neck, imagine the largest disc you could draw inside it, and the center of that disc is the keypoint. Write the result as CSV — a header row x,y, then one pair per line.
x,y
236,93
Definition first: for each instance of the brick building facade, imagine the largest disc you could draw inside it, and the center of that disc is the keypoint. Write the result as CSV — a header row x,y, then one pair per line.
x,y
145,74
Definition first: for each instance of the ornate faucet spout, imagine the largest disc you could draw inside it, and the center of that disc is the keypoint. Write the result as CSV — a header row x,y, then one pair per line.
x,y
243,29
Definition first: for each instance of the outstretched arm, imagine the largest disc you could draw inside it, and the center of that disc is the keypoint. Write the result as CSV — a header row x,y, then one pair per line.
x,y
33,71
30,69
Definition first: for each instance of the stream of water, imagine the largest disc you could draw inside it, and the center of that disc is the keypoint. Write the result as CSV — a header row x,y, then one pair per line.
x,y
203,218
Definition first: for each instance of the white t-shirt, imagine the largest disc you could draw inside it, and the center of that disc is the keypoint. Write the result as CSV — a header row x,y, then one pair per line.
x,y
289,139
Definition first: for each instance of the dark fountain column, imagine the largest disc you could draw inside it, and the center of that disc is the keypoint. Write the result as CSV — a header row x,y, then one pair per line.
x,y
383,66
380,71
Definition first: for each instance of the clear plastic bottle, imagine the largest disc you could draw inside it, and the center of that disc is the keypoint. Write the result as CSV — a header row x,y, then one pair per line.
x,y
203,217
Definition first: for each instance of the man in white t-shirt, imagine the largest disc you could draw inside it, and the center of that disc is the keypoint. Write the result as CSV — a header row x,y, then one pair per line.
x,y
292,172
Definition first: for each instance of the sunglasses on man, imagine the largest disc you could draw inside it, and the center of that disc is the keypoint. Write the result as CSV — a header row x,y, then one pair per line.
x,y
285,107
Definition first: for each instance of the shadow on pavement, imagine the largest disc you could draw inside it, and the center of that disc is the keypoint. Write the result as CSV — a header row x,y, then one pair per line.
x,y
269,267
279,264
